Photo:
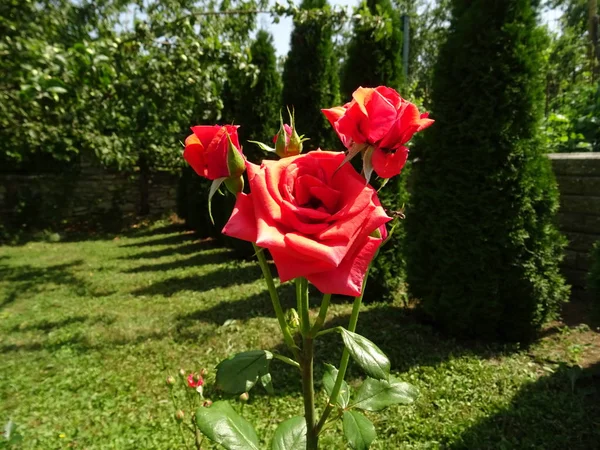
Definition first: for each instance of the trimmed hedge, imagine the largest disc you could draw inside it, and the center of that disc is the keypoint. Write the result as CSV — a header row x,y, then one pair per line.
x,y
482,247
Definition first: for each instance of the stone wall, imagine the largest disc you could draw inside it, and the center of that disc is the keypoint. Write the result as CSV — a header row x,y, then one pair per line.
x,y
90,195
578,177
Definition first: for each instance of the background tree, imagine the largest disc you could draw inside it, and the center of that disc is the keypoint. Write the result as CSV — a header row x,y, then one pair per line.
x,y
310,77
252,99
483,252
374,56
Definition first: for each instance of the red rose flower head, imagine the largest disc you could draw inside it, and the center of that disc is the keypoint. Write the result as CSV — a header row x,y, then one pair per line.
x,y
318,220
380,118
214,151
195,380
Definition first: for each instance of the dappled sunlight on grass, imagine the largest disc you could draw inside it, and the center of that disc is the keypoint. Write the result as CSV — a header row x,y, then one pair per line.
x,y
89,330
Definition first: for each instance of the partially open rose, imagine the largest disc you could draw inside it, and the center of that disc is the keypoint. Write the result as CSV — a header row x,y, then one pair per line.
x,y
206,151
318,222
381,118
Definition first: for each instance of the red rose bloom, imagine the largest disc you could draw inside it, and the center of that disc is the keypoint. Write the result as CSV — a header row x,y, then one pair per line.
x,y
194,380
206,150
317,221
381,118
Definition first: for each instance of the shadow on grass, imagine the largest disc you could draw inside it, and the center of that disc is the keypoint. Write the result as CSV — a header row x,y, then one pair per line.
x,y
559,411
194,261
27,279
171,239
47,326
190,248
220,278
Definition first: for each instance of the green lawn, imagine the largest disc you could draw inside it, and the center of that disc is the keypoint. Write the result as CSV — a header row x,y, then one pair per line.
x,y
89,330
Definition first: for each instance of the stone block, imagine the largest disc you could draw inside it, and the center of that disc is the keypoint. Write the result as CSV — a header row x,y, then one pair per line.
x,y
581,242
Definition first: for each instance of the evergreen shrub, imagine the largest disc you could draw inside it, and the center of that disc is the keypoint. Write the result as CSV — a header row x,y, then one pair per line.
x,y
482,246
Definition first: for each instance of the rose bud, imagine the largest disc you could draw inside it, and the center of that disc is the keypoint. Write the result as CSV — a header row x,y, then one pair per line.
x,y
214,151
170,381
182,373
203,372
292,319
179,416
244,397
287,141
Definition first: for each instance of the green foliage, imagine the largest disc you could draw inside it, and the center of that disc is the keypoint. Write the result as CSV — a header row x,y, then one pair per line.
x,y
388,271
253,99
374,56
242,371
310,77
594,276
367,355
223,425
86,76
572,91
359,430
290,435
482,248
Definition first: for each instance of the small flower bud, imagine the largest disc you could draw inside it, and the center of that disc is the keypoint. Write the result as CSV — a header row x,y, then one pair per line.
x,y
203,373
179,415
207,403
244,397
292,319
234,184
170,381
182,373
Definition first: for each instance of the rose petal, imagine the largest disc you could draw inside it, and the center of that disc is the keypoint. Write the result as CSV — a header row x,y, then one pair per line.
x,y
347,278
388,164
242,223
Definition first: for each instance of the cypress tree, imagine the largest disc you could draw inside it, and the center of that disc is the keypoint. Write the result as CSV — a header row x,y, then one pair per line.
x,y
260,99
374,56
310,77
483,251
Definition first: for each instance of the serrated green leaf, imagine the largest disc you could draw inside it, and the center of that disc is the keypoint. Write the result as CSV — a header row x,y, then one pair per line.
x,y
221,424
368,356
359,431
290,435
329,378
241,372
375,395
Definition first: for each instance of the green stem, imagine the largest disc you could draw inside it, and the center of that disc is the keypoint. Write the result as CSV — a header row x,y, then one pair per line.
x,y
303,307
344,361
308,393
178,423
322,315
286,360
287,336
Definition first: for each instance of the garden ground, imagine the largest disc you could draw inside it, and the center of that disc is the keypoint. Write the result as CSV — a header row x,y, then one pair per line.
x,y
90,328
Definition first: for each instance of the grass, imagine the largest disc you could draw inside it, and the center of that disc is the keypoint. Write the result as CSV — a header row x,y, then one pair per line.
x,y
89,330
